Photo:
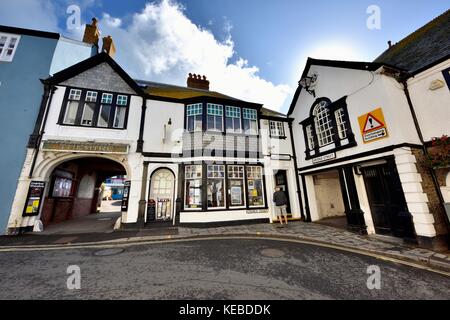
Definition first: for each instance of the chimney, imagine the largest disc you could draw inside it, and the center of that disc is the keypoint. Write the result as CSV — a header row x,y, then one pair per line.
x,y
108,46
197,82
390,44
91,34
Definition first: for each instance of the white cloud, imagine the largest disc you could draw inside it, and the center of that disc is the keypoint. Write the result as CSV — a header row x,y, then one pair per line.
x,y
161,44
32,14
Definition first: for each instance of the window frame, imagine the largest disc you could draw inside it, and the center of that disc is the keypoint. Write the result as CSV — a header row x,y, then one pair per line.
x,y
186,179
244,187
215,117
262,186
195,115
9,38
233,109
224,180
446,74
278,131
244,119
84,99
312,147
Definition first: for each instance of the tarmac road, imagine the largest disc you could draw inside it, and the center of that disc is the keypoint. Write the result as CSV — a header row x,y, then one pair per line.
x,y
213,269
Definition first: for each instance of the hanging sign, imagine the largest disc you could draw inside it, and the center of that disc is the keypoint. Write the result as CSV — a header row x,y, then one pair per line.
x,y
34,199
126,195
372,125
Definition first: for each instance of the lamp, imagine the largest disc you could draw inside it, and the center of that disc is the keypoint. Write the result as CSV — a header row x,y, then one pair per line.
x,y
308,82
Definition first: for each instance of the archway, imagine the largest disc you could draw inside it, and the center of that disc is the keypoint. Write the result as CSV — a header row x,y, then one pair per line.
x,y
75,192
161,196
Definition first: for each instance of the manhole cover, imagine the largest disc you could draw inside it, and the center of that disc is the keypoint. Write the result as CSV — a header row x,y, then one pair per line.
x,y
108,252
272,253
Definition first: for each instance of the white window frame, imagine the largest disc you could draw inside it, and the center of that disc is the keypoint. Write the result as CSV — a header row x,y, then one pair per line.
x,y
122,107
254,121
310,137
106,100
214,107
89,99
243,193
262,185
277,129
224,180
74,96
232,112
323,124
198,107
9,37
341,124
186,178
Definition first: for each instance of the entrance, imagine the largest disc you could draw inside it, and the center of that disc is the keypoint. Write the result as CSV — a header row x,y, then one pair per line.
x,y
162,189
387,201
281,182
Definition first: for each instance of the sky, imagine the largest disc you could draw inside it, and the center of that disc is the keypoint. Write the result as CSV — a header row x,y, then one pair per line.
x,y
254,50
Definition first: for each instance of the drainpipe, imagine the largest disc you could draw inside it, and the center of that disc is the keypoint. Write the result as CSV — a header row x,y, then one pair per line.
x,y
425,151
140,142
36,138
297,181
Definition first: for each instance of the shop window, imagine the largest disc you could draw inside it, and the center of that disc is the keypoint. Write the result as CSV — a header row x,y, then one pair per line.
x,y
250,120
215,117
233,119
236,180
62,188
194,114
8,46
255,186
277,129
193,190
216,186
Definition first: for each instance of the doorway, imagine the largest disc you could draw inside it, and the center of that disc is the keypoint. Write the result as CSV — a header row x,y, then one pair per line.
x,y
387,201
162,189
281,182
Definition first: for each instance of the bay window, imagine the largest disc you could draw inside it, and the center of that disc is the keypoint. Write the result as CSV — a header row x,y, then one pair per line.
x,y
216,186
193,190
236,180
233,119
255,186
215,117
194,114
250,121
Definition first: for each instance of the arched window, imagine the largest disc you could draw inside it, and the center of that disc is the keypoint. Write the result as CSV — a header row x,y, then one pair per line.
x,y
323,124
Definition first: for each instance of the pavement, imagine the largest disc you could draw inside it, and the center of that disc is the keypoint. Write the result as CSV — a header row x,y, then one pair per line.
x,y
312,233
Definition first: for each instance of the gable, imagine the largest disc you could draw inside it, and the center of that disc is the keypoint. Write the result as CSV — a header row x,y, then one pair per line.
x,y
101,77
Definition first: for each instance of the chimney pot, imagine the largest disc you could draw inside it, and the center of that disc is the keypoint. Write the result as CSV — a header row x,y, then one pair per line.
x,y
91,33
108,46
197,81
390,44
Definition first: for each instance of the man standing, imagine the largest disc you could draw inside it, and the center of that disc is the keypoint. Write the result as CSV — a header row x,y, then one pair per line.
x,y
281,204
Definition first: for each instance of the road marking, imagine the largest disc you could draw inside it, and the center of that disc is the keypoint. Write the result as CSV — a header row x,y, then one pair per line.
x,y
208,238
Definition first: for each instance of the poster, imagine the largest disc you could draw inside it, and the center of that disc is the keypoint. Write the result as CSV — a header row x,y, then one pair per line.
x,y
236,196
126,195
34,199
373,126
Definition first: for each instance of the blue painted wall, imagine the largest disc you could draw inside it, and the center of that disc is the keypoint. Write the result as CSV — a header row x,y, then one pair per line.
x,y
20,98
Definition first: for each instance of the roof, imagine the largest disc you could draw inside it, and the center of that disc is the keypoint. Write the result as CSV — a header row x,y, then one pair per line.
x,y
422,48
271,113
89,63
29,32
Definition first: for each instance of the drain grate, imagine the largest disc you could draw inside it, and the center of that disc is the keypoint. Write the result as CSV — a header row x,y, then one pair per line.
x,y
272,253
108,252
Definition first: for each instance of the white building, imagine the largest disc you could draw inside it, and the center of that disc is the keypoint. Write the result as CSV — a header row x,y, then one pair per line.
x,y
190,155
361,131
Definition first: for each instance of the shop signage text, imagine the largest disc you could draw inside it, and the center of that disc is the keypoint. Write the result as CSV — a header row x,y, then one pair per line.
x,y
372,125
324,158
84,147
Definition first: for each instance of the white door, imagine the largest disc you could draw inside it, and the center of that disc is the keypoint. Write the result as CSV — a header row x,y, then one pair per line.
x,y
162,192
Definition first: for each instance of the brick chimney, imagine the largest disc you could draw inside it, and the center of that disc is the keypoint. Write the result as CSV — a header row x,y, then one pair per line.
x,y
91,34
108,46
197,82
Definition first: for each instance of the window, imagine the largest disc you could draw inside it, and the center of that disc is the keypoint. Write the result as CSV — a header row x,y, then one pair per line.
x,y
89,108
105,110
340,123
216,186
250,121
233,119
72,106
193,192
255,186
322,121
194,117
121,110
8,47
277,129
236,181
215,117
310,137
62,188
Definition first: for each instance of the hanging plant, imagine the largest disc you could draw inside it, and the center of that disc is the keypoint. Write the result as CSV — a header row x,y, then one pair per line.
x,y
439,153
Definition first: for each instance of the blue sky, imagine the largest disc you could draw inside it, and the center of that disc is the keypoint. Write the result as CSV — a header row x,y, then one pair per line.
x,y
250,49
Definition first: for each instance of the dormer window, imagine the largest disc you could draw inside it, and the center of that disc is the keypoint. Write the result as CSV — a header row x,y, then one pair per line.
x,y
328,128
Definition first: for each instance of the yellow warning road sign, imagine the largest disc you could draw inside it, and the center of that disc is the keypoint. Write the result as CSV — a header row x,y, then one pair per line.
x,y
372,125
